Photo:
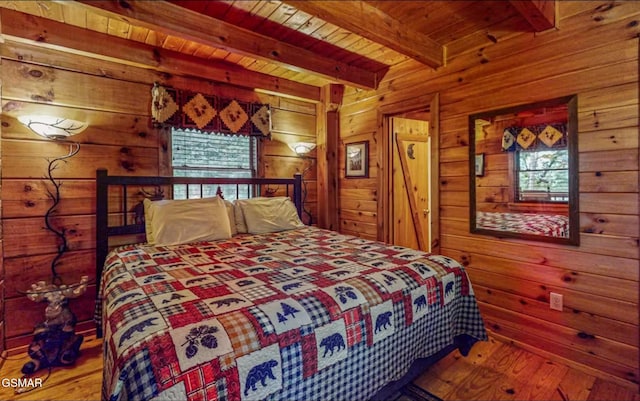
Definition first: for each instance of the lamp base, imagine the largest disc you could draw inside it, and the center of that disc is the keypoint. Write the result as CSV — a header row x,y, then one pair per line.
x,y
55,343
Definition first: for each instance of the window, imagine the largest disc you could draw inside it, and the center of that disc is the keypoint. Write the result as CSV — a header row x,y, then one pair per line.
x,y
199,154
542,176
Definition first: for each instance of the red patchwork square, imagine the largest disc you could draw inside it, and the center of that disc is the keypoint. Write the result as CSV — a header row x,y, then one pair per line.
x,y
432,290
163,358
408,310
158,288
354,334
354,326
212,392
192,314
168,261
193,380
197,395
464,282
232,382
309,355
368,323
146,270
211,371
289,337
128,286
210,292
352,316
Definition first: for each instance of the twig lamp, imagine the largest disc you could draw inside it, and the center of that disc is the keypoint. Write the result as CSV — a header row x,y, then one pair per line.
x,y
55,342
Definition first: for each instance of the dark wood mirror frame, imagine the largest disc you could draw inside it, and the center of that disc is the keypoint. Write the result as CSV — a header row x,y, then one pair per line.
x,y
566,105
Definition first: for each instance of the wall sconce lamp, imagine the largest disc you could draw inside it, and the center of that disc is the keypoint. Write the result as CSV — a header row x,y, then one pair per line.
x,y
55,342
302,149
53,127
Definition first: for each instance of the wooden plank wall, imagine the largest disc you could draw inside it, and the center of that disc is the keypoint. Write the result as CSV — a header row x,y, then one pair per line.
x,y
594,54
293,121
115,99
358,197
2,323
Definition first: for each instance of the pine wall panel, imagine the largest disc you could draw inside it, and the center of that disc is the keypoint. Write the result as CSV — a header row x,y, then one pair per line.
x,y
594,54
2,269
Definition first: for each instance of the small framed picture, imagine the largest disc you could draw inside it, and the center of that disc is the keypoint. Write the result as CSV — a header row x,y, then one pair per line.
x,y
480,164
357,160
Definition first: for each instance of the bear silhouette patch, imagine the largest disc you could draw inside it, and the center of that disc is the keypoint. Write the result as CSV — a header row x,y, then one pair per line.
x,y
259,374
382,321
448,291
332,343
420,302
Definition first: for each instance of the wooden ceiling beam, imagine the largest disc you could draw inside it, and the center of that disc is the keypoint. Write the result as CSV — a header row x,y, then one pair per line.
x,y
372,23
51,34
540,14
171,19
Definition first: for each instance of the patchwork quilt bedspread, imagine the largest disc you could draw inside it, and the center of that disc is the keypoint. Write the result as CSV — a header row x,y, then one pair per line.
x,y
554,225
306,314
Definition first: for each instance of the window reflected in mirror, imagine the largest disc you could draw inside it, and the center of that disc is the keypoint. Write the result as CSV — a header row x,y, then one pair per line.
x,y
523,171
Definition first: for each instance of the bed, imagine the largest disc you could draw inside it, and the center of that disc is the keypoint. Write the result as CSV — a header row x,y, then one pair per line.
x,y
300,313
551,225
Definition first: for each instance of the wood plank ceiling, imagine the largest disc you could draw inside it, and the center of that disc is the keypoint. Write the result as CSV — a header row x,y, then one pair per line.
x,y
299,42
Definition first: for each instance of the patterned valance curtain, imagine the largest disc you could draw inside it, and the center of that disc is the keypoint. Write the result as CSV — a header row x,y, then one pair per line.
x,y
535,137
208,113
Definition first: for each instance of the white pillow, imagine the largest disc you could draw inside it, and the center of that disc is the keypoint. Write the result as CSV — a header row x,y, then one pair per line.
x,y
148,217
241,225
231,212
149,210
267,215
174,222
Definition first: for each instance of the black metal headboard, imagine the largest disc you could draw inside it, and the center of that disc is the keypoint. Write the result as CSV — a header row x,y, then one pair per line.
x,y
129,225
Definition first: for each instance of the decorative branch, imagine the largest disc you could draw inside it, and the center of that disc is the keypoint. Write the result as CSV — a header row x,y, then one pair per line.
x,y
54,195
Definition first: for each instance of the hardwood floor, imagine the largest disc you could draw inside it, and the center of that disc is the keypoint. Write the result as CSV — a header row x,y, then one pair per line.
x,y
493,371
79,382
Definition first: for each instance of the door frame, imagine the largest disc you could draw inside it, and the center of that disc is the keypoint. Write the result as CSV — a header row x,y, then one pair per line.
x,y
385,159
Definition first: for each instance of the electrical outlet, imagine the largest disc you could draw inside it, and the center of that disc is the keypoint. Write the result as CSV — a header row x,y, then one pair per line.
x,y
555,301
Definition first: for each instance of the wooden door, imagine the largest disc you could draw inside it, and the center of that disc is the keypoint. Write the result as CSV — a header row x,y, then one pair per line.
x,y
411,214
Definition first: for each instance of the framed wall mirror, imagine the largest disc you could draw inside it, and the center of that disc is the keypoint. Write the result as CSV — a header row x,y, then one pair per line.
x,y
523,165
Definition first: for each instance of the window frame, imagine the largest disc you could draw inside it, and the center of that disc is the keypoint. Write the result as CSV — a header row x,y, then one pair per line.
x,y
235,193
514,178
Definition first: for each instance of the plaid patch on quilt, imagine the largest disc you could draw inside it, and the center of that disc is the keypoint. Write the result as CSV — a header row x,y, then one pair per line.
x,y
306,314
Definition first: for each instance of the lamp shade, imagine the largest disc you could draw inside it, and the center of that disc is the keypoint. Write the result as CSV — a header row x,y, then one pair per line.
x,y
302,148
53,127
